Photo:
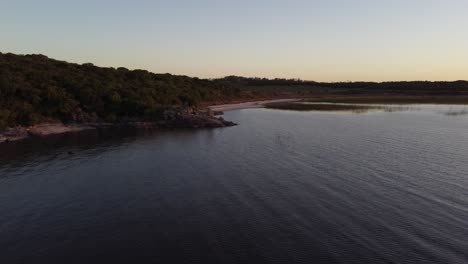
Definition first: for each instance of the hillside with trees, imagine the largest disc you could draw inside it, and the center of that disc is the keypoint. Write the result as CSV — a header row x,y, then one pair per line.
x,y
34,88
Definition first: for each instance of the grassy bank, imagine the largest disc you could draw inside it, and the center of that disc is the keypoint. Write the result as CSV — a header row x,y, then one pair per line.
x,y
391,99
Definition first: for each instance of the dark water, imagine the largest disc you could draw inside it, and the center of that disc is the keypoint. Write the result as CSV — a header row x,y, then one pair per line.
x,y
283,187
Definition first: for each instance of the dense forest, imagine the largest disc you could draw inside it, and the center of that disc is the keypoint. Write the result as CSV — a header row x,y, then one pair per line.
x,y
35,88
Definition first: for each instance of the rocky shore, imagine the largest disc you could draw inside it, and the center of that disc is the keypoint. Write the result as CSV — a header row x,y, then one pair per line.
x,y
172,118
41,130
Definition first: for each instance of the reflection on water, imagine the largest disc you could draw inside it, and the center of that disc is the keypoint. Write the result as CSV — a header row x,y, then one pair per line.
x,y
358,108
457,111
449,110
66,145
282,187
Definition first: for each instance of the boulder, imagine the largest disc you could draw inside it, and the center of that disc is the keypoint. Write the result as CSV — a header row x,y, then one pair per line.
x,y
80,116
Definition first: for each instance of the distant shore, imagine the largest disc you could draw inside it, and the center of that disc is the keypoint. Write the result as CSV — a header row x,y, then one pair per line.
x,y
391,99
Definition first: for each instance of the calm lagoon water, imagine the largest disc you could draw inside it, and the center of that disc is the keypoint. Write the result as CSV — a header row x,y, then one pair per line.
x,y
282,187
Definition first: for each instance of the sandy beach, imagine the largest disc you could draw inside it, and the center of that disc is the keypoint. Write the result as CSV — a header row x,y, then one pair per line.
x,y
254,104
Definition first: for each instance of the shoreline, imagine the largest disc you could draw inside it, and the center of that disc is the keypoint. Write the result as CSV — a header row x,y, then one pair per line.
x,y
187,121
391,99
200,119
44,129
247,105
205,117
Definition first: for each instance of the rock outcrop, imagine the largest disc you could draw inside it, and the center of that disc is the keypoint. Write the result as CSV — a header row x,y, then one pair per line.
x,y
190,118
171,117
13,134
80,116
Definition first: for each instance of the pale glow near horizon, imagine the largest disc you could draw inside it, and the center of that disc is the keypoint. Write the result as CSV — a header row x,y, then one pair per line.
x,y
334,40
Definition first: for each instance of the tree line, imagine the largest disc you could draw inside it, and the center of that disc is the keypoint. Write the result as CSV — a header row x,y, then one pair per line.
x,y
454,86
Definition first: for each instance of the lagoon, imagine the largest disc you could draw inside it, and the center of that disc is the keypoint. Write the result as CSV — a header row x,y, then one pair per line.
x,y
282,187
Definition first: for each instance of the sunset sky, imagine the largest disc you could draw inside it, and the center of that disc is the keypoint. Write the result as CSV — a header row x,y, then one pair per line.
x,y
322,40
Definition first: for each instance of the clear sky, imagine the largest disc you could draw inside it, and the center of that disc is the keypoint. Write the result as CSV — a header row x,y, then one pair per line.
x,y
323,40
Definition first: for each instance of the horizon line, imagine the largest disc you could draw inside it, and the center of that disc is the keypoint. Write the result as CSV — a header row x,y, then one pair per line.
x,y
234,75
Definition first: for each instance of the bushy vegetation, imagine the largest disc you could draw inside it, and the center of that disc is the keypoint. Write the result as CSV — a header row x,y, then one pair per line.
x,y
34,88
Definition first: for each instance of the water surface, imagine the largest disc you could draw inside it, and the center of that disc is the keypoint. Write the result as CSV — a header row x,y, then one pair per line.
x,y
282,187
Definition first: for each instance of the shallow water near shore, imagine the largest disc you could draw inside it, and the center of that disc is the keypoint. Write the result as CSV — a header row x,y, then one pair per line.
x,y
282,187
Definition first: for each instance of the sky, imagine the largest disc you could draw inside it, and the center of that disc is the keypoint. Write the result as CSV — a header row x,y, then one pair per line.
x,y
321,40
